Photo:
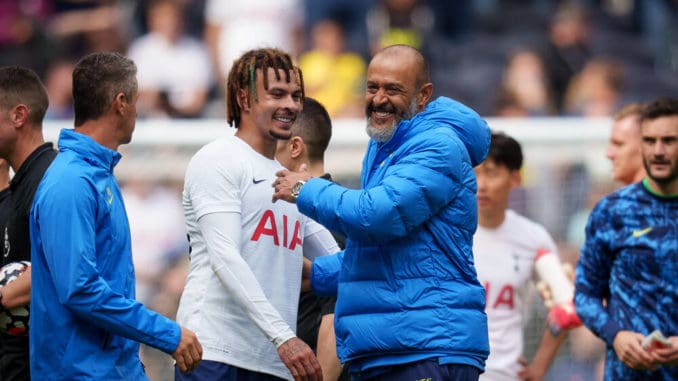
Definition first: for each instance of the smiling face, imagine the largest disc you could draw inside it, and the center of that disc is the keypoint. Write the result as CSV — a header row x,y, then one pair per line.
x,y
391,94
660,152
276,108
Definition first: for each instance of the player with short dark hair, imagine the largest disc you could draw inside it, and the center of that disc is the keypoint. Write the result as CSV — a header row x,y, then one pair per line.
x,y
625,283
311,134
23,104
505,248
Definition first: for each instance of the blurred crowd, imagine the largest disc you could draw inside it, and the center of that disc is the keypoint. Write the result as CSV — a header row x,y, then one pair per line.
x,y
502,57
510,58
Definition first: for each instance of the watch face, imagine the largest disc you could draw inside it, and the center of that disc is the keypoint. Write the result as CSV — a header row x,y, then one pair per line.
x,y
296,188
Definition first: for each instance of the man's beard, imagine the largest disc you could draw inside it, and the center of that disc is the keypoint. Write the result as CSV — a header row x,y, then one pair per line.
x,y
383,135
665,179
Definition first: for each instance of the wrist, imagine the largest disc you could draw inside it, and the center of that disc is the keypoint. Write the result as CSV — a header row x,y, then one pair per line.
x,y
296,189
280,340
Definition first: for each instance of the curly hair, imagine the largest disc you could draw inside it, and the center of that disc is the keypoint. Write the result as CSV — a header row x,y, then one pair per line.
x,y
243,75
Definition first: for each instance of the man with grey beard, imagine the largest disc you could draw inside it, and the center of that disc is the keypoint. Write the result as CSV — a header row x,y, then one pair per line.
x,y
409,303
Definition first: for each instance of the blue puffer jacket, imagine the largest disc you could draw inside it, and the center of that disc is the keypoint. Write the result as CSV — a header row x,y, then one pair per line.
x,y
406,282
85,323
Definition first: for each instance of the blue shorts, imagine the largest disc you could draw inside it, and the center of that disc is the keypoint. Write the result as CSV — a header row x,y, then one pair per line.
x,y
429,370
217,371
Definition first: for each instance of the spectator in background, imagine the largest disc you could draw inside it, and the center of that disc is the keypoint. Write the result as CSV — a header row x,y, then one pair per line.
x,y
623,149
85,26
596,91
158,236
332,75
625,283
175,73
567,49
525,79
351,14
311,134
505,248
235,26
24,41
60,89
393,22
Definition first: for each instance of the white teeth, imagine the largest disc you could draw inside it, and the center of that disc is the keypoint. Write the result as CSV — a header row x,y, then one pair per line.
x,y
382,114
284,120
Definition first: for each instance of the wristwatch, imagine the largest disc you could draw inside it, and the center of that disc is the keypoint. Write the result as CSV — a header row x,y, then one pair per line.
x,y
296,188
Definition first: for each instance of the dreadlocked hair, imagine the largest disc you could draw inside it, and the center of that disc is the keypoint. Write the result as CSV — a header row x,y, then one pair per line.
x,y
243,75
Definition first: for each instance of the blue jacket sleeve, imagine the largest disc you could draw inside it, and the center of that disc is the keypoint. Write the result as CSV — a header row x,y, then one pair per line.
x,y
67,227
592,279
416,185
325,274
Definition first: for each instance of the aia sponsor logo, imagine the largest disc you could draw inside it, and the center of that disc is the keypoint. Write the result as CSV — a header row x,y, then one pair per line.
x,y
503,299
267,226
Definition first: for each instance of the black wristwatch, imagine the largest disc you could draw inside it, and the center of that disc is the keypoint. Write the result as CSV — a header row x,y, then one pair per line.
x,y
296,188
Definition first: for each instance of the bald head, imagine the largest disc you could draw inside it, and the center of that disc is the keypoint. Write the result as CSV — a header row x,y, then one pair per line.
x,y
397,88
406,55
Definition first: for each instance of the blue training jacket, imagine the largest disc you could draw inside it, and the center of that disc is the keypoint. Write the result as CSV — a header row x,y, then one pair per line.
x,y
406,283
84,321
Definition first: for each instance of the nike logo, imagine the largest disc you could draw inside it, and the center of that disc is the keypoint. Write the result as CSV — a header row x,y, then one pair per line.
x,y
640,233
110,195
255,181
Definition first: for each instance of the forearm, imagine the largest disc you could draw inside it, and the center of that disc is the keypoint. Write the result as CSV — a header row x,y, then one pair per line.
x,y
17,293
327,349
325,274
547,350
221,232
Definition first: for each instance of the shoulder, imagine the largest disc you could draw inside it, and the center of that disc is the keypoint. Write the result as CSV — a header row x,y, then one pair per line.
x,y
66,182
521,225
221,158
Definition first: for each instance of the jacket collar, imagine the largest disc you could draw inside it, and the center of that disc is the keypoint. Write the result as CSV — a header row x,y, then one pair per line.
x,y
92,152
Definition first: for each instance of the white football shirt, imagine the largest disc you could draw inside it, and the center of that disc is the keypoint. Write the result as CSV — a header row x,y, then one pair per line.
x,y
504,259
242,292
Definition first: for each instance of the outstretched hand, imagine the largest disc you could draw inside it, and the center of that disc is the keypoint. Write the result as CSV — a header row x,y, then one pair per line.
x,y
285,181
300,360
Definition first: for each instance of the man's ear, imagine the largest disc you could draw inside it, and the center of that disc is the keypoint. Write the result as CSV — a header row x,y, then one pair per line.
x,y
516,178
120,103
19,114
424,95
243,100
297,147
